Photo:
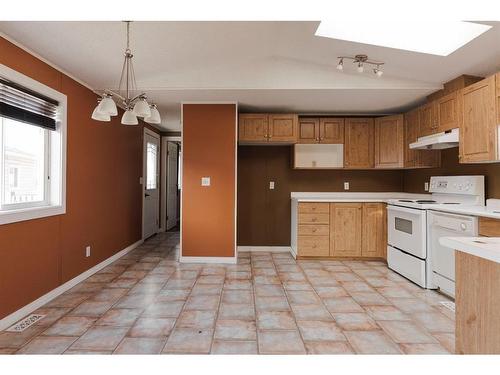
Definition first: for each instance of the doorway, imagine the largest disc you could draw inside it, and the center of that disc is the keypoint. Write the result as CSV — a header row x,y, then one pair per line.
x,y
151,196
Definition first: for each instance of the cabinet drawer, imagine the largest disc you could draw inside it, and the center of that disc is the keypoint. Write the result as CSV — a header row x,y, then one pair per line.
x,y
314,230
318,246
314,208
314,218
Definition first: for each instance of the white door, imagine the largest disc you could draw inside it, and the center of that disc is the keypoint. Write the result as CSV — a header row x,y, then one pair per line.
x,y
151,211
172,186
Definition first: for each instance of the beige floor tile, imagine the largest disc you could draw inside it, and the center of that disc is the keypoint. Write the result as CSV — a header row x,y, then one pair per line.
x,y
280,342
331,291
269,291
411,305
298,285
173,295
235,330
300,297
135,301
357,286
91,308
206,289
146,288
386,313
18,339
423,349
236,284
170,309
69,300
52,314
372,342
435,322
369,298
272,304
394,291
197,319
140,345
355,321
202,302
266,280
328,347
275,320
152,327
47,345
119,317
100,338
342,305
186,340
447,340
239,311
406,332
234,347
312,330
70,326
311,312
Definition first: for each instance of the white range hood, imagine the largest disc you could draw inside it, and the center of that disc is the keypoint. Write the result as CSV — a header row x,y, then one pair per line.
x,y
437,141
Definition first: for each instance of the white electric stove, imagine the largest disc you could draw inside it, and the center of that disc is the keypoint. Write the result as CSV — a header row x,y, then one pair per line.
x,y
412,223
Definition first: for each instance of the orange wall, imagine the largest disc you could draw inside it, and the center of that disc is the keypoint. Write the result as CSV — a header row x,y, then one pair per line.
x,y
103,196
208,149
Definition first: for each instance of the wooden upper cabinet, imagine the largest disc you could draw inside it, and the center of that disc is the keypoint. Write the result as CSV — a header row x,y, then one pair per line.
x,y
447,112
331,130
374,240
359,143
283,128
253,128
479,121
389,142
428,119
412,132
308,130
345,229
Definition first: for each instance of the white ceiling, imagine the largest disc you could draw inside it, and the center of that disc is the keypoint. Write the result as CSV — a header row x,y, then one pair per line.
x,y
271,66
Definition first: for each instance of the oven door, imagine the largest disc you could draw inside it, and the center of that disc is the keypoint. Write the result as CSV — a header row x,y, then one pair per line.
x,y
407,230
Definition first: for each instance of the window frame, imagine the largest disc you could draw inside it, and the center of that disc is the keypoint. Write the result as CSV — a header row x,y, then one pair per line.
x,y
54,202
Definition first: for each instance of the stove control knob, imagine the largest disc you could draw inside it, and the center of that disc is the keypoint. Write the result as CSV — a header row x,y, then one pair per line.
x,y
463,226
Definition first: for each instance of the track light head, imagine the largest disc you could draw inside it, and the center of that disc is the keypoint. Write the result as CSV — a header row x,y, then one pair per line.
x,y
378,71
360,67
340,65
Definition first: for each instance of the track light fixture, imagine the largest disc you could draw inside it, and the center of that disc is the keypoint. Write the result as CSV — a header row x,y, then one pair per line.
x,y
361,60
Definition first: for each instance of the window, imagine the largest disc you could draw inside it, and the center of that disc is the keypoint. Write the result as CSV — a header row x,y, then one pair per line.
x,y
32,148
151,165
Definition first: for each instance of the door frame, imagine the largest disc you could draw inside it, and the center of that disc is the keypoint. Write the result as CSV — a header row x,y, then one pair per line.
x,y
143,178
164,175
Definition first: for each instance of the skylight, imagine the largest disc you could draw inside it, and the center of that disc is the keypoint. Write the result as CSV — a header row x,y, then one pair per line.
x,y
429,36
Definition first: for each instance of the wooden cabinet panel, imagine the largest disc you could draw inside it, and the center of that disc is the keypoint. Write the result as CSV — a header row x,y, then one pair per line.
x,y
478,125
412,132
308,130
489,227
447,112
374,239
314,207
389,142
345,229
359,143
314,218
477,304
253,128
314,230
331,130
283,128
428,119
315,246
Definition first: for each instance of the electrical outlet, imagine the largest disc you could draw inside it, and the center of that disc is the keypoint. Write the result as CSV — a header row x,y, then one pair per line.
x,y
205,181
271,185
141,180
346,185
87,251
426,186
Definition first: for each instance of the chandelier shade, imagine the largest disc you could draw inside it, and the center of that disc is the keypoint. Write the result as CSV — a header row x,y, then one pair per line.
x,y
99,116
108,106
154,118
141,108
129,118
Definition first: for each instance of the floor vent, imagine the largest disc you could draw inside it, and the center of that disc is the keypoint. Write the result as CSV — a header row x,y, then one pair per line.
x,y
449,305
25,323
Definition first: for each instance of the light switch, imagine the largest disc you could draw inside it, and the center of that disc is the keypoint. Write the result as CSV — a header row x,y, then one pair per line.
x,y
426,186
205,181
271,185
346,185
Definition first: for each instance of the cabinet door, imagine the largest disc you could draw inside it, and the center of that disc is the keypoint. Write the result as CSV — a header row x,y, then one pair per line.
x,y
253,128
478,128
283,128
308,130
331,130
345,232
411,134
374,242
428,119
389,142
359,143
447,112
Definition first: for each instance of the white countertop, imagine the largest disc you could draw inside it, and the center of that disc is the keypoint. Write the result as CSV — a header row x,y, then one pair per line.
x,y
483,247
385,197
354,197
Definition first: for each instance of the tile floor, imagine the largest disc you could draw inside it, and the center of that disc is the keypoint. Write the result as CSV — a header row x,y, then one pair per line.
x,y
268,303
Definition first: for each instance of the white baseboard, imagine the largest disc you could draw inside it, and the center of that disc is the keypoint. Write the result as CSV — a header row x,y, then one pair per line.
x,y
225,260
293,252
28,309
271,249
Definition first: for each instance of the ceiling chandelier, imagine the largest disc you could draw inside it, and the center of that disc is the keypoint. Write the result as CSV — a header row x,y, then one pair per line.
x,y
361,61
135,106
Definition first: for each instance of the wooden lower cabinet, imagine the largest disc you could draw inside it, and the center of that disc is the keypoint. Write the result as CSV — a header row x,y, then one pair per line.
x,y
342,230
345,229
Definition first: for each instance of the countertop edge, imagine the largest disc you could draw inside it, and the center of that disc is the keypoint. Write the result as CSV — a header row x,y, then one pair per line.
x,y
463,245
